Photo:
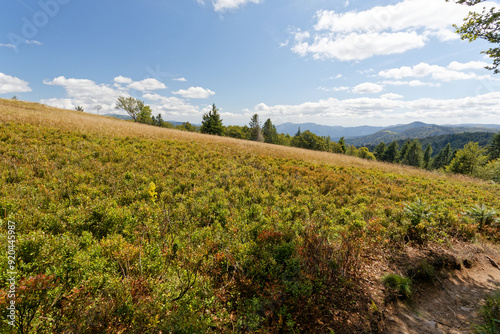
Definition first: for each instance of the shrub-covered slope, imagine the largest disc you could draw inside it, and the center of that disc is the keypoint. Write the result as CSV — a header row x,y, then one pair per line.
x,y
122,230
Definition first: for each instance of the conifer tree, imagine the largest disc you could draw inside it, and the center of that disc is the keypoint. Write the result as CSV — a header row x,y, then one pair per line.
x,y
212,124
494,147
255,129
427,156
380,150
269,132
342,144
391,153
413,154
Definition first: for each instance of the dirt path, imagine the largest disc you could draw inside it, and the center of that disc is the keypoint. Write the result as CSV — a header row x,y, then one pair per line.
x,y
450,304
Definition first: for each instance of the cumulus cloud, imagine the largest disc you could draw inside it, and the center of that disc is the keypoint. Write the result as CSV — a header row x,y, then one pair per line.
x,y
147,85
381,30
367,88
225,5
10,84
359,46
171,105
411,83
84,92
472,65
123,80
391,96
87,93
180,79
334,89
436,72
388,108
195,93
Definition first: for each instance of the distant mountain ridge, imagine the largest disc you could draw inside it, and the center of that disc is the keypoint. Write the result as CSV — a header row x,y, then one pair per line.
x,y
335,132
372,135
416,130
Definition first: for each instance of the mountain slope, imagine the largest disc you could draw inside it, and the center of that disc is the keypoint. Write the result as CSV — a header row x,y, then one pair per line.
x,y
128,228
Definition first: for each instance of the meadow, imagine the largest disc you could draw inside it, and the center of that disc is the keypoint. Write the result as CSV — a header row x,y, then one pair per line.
x,y
128,228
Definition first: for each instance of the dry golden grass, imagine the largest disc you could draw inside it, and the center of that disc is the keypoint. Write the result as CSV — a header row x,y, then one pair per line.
x,y
70,120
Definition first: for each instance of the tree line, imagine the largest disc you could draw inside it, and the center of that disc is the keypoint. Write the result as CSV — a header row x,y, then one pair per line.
x,y
472,159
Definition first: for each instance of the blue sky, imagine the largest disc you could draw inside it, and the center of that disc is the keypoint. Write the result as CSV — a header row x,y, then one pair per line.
x,y
344,62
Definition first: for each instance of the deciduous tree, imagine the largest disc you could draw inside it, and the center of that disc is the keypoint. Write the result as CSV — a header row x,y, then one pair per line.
x,y
467,160
131,105
486,26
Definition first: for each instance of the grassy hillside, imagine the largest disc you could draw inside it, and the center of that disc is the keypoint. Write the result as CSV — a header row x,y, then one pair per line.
x,y
128,228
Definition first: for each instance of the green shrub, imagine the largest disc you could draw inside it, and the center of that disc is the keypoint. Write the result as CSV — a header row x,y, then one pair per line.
x,y
482,215
398,285
490,313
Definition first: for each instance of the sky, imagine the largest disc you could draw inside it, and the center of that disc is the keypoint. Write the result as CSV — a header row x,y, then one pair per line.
x,y
346,62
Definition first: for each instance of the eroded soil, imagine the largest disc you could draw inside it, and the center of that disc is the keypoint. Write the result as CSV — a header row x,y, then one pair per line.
x,y
449,302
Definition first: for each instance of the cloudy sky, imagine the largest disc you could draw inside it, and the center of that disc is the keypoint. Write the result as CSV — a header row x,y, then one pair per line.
x,y
345,62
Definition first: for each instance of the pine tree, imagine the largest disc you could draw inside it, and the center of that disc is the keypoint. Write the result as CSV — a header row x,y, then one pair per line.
x,y
212,124
255,129
269,132
391,153
413,154
494,147
342,144
443,158
379,151
404,151
427,156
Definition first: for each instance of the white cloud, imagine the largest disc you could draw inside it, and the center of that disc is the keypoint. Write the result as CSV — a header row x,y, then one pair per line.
x,y
33,42
87,93
123,80
9,84
180,79
411,83
147,85
436,72
388,108
301,36
334,89
356,46
392,96
473,65
60,103
382,30
84,92
224,5
367,88
172,105
195,93
12,46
